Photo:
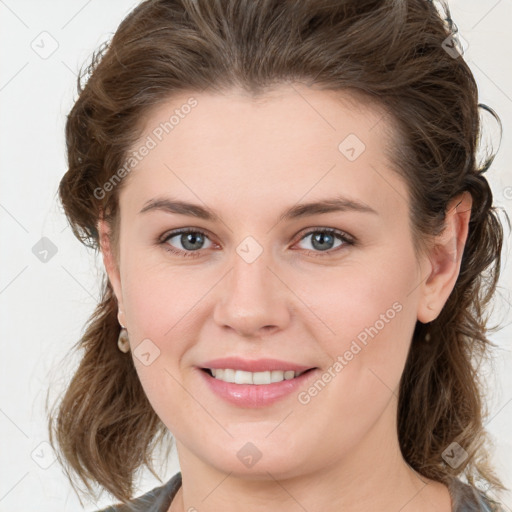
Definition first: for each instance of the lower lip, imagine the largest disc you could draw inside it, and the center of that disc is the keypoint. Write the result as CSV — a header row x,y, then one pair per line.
x,y
255,395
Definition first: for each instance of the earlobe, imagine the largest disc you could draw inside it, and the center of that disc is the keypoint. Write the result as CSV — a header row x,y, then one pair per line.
x,y
110,263
444,259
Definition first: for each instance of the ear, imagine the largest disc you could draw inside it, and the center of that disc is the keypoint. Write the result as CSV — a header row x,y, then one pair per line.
x,y
111,266
444,259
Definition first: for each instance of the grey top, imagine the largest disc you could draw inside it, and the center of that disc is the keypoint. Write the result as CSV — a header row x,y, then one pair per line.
x,y
465,498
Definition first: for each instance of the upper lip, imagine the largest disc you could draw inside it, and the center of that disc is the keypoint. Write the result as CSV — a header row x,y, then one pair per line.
x,y
257,365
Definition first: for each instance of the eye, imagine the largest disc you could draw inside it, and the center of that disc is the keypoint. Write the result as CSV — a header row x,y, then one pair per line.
x,y
322,240
191,240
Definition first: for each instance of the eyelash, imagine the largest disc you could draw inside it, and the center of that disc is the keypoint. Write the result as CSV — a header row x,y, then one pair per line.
x,y
348,240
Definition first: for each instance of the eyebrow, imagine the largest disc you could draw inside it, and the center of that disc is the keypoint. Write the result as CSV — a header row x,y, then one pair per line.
x,y
335,204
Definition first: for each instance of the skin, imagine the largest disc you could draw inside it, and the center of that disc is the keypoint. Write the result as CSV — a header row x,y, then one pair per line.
x,y
249,160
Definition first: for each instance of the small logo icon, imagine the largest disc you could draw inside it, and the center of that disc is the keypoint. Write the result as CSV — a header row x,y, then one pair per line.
x,y
44,45
249,249
146,352
44,250
43,455
454,455
455,45
249,455
351,147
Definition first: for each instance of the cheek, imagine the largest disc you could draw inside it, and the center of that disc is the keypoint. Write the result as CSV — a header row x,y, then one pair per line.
x,y
160,333
368,314
159,298
371,319
351,299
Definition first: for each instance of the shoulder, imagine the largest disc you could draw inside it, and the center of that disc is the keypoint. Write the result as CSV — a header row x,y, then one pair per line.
x,y
157,499
467,498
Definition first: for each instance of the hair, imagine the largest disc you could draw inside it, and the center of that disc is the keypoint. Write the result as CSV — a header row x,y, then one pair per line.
x,y
390,52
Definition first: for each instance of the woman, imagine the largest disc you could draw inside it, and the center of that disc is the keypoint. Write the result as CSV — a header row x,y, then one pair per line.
x,y
299,246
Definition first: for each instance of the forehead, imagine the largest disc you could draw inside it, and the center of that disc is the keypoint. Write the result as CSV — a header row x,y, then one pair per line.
x,y
291,141
281,111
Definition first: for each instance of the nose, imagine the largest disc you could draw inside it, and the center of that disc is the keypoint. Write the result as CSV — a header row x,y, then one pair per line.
x,y
252,298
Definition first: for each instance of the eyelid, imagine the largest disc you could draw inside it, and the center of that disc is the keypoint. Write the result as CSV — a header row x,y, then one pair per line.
x,y
346,238
324,229
183,231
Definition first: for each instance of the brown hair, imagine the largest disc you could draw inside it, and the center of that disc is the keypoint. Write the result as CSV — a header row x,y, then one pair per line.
x,y
391,52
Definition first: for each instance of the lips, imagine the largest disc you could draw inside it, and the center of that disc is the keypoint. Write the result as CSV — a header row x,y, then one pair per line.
x,y
258,365
254,395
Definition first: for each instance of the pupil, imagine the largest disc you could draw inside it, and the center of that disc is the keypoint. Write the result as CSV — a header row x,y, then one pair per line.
x,y
320,238
189,239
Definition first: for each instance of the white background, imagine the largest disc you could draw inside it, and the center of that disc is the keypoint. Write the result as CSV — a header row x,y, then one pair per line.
x,y
43,306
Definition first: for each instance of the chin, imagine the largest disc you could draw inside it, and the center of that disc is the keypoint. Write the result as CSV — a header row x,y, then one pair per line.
x,y
246,461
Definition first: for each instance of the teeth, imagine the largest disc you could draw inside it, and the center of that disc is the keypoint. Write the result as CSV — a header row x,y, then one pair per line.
x,y
242,377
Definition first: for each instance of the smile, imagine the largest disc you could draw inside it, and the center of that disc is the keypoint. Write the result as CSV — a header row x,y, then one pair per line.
x,y
245,389
243,377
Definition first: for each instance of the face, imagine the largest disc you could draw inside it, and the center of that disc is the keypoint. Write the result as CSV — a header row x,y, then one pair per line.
x,y
334,289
